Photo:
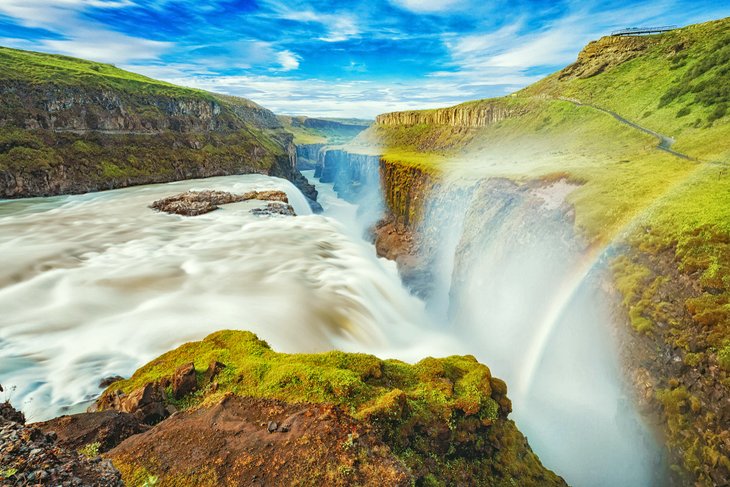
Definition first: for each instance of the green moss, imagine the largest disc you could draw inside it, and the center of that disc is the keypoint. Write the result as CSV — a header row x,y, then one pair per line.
x,y
363,384
90,450
411,407
723,356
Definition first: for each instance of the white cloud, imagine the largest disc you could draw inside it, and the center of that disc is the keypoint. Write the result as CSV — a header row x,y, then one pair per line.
x,y
337,27
427,6
107,46
288,60
53,13
339,98
83,38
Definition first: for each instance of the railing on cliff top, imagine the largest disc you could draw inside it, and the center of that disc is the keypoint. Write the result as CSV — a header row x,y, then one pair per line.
x,y
636,31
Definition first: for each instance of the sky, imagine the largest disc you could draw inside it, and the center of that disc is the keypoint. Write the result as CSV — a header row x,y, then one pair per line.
x,y
338,58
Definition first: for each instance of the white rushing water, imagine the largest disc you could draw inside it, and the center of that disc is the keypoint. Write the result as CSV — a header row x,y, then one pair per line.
x,y
98,284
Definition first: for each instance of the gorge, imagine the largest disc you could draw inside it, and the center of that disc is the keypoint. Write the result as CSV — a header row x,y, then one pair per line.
x,y
568,274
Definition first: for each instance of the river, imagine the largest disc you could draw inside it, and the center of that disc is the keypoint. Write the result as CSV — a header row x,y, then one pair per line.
x,y
98,284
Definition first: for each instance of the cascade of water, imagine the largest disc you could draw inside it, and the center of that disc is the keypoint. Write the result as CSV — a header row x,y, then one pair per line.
x,y
515,264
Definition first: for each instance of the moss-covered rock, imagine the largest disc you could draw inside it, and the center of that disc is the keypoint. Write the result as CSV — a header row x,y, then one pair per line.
x,y
444,419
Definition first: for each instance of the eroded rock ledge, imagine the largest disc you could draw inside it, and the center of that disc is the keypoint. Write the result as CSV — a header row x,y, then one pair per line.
x,y
193,203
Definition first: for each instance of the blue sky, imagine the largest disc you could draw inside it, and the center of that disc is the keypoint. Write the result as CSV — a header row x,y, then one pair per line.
x,y
337,58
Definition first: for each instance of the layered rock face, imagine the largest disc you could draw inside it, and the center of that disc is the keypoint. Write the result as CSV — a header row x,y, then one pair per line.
x,y
308,155
605,53
470,115
95,131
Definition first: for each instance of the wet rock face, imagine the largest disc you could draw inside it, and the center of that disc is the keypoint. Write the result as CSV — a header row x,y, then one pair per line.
x,y
193,203
308,155
30,456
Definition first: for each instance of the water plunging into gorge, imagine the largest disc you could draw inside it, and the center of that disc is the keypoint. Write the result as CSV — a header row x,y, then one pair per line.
x,y
98,284
510,281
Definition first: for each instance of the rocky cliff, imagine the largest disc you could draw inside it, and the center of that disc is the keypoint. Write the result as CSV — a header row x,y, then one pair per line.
x,y
466,115
308,156
71,126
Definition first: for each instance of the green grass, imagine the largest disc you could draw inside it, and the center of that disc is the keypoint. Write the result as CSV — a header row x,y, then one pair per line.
x,y
40,68
337,131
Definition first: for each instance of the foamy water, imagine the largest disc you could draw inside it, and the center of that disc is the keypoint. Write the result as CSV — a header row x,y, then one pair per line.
x,y
98,284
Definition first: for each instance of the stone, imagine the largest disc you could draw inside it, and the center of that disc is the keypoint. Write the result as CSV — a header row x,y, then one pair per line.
x,y
274,209
213,369
272,426
184,381
107,381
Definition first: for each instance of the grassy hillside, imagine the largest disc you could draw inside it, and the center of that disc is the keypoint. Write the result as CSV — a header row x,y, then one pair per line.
x,y
69,125
332,131
670,213
42,68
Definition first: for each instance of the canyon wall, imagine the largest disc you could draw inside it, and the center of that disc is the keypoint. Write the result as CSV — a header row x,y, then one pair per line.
x,y
308,155
478,114
58,139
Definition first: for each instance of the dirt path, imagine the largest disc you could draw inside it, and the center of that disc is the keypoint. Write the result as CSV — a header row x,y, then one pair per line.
x,y
665,142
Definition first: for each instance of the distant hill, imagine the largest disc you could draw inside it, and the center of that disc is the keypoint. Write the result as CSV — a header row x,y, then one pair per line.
x,y
307,130
68,125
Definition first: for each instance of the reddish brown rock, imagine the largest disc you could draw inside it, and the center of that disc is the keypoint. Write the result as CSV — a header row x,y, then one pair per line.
x,y
184,381
213,369
108,428
147,403
193,203
251,441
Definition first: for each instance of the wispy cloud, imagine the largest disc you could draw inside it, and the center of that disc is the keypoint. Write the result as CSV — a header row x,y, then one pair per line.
x,y
428,6
328,57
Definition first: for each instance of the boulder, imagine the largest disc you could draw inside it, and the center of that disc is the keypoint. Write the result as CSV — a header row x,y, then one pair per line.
x,y
275,209
147,403
184,381
213,369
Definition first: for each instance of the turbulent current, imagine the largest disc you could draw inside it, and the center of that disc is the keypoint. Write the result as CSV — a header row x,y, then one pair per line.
x,y
98,284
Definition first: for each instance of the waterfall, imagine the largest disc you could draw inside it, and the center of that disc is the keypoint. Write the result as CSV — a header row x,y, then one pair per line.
x,y
516,287
512,279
